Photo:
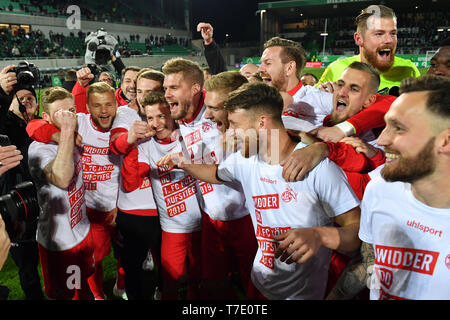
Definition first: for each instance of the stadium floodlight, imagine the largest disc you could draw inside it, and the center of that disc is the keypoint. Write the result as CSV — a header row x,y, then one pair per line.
x,y
324,34
261,32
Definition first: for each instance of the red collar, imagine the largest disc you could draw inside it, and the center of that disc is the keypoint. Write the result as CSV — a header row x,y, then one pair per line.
x,y
327,121
173,137
199,108
164,141
294,90
95,126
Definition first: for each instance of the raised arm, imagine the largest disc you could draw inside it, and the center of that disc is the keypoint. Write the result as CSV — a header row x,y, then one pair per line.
x,y
60,170
213,55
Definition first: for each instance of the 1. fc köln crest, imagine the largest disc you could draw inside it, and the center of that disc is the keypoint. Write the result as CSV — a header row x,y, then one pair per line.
x,y
289,195
206,126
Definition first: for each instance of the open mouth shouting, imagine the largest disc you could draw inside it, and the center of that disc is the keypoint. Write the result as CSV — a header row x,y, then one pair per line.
x,y
104,122
385,54
266,78
340,105
219,124
174,107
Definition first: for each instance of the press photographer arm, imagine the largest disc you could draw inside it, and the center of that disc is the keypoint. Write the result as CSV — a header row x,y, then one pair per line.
x,y
61,169
7,81
10,157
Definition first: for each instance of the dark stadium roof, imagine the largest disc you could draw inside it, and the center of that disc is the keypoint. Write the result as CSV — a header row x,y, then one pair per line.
x,y
290,10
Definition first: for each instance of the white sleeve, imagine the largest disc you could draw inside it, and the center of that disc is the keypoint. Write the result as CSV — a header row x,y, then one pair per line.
x,y
334,191
40,154
228,170
144,152
365,230
83,122
125,117
321,101
326,101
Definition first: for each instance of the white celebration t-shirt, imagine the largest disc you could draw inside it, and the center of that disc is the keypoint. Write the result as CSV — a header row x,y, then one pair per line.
x,y
141,198
62,222
204,145
101,168
174,190
277,206
411,242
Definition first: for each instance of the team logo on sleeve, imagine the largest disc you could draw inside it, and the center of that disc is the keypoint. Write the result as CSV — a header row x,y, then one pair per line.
x,y
289,195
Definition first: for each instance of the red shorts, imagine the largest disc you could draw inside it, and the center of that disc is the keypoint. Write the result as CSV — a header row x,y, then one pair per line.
x,y
65,273
180,260
227,246
101,232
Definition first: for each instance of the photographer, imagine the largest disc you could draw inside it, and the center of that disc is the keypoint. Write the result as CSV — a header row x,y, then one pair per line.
x,y
100,59
18,106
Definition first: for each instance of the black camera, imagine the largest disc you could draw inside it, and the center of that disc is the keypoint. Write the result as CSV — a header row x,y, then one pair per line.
x,y
19,207
27,74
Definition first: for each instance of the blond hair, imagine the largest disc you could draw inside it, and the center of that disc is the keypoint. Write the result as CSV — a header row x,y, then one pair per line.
x,y
225,82
99,87
54,94
190,69
379,11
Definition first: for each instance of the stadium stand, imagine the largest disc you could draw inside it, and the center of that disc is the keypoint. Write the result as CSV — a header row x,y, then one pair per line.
x,y
60,45
420,27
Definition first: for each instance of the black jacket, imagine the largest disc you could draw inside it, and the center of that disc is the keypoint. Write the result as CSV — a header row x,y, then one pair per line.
x,y
14,127
214,58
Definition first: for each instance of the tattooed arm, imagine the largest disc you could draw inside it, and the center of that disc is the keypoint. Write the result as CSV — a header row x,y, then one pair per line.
x,y
355,276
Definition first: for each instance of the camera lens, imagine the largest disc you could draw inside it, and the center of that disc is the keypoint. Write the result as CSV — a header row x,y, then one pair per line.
x,y
25,78
17,207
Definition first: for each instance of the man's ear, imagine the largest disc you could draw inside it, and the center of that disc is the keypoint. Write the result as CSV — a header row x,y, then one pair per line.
x,y
369,100
358,39
443,142
45,116
291,67
196,88
263,121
